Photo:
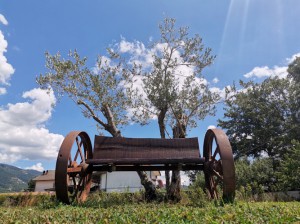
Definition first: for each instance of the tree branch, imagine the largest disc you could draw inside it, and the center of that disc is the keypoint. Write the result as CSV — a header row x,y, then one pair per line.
x,y
178,121
111,126
97,119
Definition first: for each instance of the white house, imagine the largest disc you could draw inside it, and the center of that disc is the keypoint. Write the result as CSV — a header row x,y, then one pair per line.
x,y
124,181
45,182
109,182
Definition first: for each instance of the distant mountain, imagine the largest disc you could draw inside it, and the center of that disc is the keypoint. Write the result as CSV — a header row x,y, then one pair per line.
x,y
14,179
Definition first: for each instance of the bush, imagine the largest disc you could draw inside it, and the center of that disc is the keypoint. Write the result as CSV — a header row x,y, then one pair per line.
x,y
198,197
27,199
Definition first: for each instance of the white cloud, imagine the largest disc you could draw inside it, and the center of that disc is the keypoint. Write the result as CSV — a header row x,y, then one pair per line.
x,y
3,20
2,91
8,157
23,135
38,167
262,72
291,59
215,80
6,69
279,71
36,111
211,127
126,46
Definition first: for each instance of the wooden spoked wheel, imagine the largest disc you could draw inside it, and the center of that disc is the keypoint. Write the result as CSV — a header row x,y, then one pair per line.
x,y
73,177
219,168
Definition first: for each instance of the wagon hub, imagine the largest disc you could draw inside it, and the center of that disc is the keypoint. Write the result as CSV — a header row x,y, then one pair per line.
x,y
214,166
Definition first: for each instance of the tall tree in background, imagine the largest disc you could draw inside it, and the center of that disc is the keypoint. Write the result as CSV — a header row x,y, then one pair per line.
x,y
263,118
97,91
171,87
294,76
288,173
294,70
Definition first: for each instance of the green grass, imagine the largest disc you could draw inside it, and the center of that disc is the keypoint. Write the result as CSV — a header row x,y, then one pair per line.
x,y
255,212
131,208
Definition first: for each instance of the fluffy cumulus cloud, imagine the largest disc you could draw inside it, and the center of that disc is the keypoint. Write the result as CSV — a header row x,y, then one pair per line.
x,y
38,167
22,125
265,71
6,69
23,134
139,54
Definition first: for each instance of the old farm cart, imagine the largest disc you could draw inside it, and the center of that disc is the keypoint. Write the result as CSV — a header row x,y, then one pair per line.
x,y
77,160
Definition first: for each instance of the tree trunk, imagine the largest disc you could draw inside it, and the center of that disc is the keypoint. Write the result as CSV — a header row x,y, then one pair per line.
x,y
173,193
174,190
150,189
161,124
167,176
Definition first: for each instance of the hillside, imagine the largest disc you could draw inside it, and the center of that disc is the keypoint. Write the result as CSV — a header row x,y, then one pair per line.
x,y
14,179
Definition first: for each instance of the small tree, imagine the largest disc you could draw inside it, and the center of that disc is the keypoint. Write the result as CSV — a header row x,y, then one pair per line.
x,y
31,185
163,81
97,91
171,87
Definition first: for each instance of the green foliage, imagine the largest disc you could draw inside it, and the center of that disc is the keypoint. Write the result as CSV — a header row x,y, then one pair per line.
x,y
294,70
197,178
288,173
96,90
269,175
157,213
256,176
105,200
198,197
172,84
262,118
28,199
31,185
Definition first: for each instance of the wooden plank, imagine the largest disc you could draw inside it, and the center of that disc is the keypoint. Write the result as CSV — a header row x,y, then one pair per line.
x,y
140,161
147,168
118,148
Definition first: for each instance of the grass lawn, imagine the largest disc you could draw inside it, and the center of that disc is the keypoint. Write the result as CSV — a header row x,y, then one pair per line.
x,y
239,212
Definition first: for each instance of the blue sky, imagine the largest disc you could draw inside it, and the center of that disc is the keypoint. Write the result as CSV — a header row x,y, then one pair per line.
x,y
251,39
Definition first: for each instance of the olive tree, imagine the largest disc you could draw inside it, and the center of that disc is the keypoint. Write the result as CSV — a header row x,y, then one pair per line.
x,y
162,81
166,83
96,90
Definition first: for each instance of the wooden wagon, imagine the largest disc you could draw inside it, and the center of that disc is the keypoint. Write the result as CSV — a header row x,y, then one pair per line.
x,y
77,160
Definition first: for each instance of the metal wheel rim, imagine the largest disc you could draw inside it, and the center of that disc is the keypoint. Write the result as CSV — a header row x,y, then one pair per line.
x,y
68,173
219,172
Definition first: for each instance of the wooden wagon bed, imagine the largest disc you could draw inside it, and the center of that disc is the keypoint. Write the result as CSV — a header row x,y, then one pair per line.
x,y
77,160
131,154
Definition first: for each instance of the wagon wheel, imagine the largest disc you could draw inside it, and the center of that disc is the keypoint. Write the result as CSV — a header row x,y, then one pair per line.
x,y
219,168
73,177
